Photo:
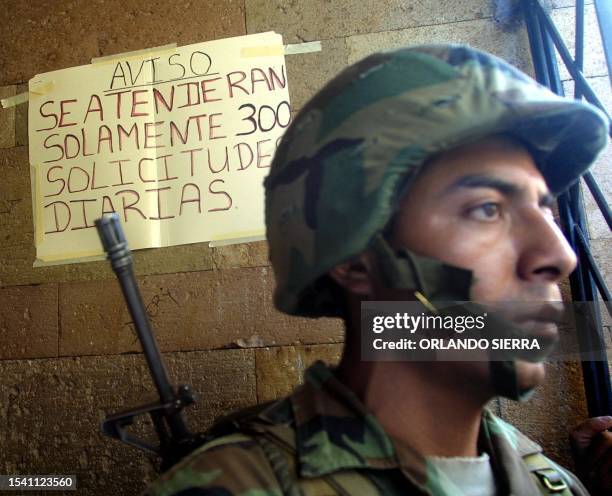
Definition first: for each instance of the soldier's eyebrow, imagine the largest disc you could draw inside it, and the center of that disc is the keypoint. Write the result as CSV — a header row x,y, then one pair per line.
x,y
482,181
546,199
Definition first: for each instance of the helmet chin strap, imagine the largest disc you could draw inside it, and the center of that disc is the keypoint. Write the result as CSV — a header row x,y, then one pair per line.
x,y
505,381
437,281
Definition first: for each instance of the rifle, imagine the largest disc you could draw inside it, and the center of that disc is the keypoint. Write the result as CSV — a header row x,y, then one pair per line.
x,y
176,440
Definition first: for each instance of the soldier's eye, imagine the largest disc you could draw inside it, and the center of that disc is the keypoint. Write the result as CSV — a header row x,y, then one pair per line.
x,y
486,212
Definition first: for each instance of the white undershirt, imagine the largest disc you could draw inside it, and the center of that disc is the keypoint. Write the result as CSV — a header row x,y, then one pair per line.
x,y
472,476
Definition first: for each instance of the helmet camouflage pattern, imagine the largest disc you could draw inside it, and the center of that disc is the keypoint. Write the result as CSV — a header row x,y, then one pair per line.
x,y
353,149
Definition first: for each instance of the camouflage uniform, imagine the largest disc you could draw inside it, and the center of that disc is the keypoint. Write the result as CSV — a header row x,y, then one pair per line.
x,y
335,183
321,441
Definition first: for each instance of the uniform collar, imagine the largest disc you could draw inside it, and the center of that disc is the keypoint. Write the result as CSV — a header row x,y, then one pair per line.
x,y
334,432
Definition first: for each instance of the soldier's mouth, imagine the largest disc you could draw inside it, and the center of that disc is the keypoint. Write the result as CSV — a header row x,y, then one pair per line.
x,y
537,320
541,330
542,322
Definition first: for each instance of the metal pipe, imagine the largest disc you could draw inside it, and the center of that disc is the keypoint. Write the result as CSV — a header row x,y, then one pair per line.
x,y
579,78
579,44
535,39
596,375
593,269
594,362
599,198
603,9
554,80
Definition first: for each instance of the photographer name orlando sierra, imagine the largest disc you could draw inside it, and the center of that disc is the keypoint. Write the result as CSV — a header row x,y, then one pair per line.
x,y
386,330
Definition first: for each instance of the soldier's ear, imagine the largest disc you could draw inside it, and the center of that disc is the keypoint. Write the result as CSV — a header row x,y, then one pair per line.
x,y
354,276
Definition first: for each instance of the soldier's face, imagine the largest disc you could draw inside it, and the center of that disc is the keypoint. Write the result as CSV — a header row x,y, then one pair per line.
x,y
485,207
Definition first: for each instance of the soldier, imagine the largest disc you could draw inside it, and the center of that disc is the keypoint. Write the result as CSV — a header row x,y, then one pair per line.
x,y
428,172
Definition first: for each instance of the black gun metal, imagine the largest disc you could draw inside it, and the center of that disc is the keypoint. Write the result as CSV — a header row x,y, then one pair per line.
x,y
176,440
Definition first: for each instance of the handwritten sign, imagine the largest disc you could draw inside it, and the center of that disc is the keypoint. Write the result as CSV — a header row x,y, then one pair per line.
x,y
177,141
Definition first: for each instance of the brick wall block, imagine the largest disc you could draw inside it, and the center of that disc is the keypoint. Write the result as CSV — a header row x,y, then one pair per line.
x,y
28,322
189,311
281,368
321,20
72,33
63,401
7,118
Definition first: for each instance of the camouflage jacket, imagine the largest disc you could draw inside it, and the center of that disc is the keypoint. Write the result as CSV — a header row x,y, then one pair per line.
x,y
321,441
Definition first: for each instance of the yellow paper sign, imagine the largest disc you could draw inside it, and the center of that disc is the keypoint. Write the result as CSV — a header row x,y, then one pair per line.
x,y
176,140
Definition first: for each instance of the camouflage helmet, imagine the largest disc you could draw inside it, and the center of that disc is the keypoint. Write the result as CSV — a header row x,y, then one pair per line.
x,y
341,166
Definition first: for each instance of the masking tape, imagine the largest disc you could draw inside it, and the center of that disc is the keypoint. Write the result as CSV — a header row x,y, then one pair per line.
x,y
42,88
311,46
11,101
171,47
273,50
235,240
262,51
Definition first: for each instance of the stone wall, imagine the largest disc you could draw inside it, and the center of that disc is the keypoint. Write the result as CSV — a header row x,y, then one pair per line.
x,y
68,354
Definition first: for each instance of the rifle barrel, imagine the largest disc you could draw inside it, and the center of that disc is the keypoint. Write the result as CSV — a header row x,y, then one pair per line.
x,y
115,245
